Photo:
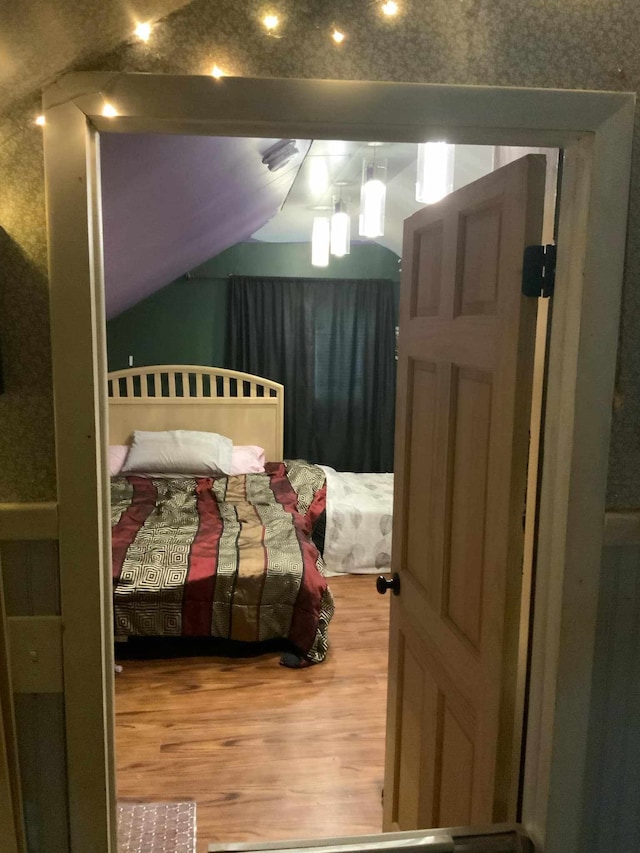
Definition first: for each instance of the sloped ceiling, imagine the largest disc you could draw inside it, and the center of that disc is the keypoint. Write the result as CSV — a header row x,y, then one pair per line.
x,y
170,203
39,39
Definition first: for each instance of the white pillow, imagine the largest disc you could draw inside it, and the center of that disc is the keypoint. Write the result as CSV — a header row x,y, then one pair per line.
x,y
179,451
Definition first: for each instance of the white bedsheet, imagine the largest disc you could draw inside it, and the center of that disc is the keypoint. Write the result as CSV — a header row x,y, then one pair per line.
x,y
359,513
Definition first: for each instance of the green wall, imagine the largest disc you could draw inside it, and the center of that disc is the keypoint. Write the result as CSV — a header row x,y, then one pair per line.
x,y
186,321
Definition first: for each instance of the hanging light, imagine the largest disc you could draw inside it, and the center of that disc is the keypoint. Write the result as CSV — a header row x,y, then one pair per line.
x,y
320,241
373,196
435,171
340,229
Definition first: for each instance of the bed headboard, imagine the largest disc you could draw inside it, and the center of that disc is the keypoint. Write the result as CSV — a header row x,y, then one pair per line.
x,y
248,409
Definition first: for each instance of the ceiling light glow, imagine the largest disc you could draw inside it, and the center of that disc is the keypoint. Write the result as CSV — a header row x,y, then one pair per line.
x,y
318,176
143,31
270,22
40,121
109,111
338,37
337,147
435,171
217,72
390,8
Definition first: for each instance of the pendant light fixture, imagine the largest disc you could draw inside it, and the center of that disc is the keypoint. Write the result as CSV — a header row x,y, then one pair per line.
x,y
435,171
373,196
340,228
320,241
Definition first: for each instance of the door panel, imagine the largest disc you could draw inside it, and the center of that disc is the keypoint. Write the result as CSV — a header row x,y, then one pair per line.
x,y
426,284
457,766
434,737
465,486
464,384
479,234
422,448
411,736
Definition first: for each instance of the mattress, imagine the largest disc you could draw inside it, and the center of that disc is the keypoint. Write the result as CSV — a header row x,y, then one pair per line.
x,y
225,557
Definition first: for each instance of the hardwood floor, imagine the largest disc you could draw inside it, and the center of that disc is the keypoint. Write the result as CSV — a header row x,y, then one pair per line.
x,y
266,752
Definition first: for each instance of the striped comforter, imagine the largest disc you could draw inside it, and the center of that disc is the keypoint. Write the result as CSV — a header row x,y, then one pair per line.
x,y
228,557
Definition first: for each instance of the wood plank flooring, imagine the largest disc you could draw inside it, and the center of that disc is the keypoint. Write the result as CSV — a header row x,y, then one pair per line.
x,y
266,752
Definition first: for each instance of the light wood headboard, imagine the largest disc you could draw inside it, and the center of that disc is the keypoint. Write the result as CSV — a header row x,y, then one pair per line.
x,y
248,409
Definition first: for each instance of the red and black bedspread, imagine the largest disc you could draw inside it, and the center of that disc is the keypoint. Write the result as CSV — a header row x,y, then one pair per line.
x,y
226,557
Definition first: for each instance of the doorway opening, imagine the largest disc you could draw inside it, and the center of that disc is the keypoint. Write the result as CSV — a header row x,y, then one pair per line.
x,y
172,741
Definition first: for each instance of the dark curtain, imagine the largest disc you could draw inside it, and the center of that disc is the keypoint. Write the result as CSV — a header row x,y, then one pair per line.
x,y
331,343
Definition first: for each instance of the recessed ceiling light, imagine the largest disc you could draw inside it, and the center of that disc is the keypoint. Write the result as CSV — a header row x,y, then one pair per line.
x,y
109,111
40,121
270,22
390,8
338,37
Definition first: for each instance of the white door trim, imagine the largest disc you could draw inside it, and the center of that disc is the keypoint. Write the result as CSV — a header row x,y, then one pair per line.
x,y
595,130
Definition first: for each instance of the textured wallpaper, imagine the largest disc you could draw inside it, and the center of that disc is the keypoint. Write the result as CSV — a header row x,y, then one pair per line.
x,y
27,459
58,32
585,44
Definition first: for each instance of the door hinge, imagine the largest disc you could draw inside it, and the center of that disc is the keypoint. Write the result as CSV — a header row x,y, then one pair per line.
x,y
539,270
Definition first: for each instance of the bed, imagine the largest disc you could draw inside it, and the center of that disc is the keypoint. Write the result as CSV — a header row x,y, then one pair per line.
x,y
225,555
354,534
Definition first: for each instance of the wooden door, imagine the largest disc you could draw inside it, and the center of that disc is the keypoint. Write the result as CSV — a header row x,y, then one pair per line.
x,y
464,386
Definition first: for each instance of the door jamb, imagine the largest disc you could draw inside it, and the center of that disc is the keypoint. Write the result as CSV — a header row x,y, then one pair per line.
x,y
595,131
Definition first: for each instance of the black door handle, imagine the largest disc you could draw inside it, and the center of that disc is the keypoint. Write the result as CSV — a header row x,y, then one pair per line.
x,y
392,583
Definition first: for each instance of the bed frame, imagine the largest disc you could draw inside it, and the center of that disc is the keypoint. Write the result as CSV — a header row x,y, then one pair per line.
x,y
248,409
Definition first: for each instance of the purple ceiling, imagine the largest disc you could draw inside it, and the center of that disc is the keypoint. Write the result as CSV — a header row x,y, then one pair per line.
x,y
170,203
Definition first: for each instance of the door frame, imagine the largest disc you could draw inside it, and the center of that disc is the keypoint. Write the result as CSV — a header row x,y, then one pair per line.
x,y
12,834
594,129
